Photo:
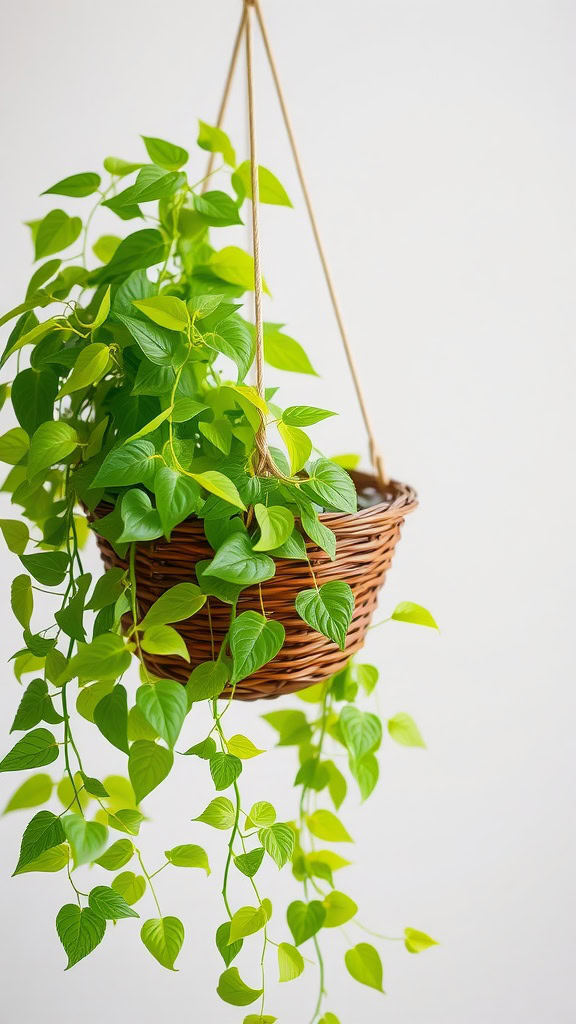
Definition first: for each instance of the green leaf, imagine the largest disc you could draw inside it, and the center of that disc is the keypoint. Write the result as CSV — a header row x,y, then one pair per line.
x,y
48,567
298,446
404,730
364,964
234,991
305,919
330,485
161,346
164,705
165,154
227,950
188,856
115,165
14,445
204,749
126,820
242,747
16,535
262,814
216,141
51,443
254,641
237,562
217,208
165,310
130,886
56,232
290,962
107,589
278,840
258,1018
361,731
329,1018
79,931
106,657
219,814
247,921
249,863
235,266
117,855
224,769
152,183
141,520
339,909
284,353
276,525
33,792
136,252
269,188
219,433
367,676
131,463
109,904
292,726
337,785
51,860
35,750
417,942
33,395
87,838
177,497
77,185
304,415
111,717
366,772
42,833
328,610
176,604
31,708
232,339
148,766
89,368
206,681
325,825
22,600
105,247
93,786
71,617
218,484
164,640
406,611
163,938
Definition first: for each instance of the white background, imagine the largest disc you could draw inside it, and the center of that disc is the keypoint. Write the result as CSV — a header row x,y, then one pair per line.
x,y
439,141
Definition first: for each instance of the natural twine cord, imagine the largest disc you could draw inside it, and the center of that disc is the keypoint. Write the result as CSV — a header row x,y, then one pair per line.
x,y
266,464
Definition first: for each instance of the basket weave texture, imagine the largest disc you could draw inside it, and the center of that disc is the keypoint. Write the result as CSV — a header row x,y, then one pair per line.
x,y
365,544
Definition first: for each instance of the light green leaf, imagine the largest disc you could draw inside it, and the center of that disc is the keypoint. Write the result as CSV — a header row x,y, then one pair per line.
x,y
325,825
292,726
148,766
364,964
165,154
406,611
269,188
88,369
278,840
416,941
249,863
14,445
51,443
129,464
165,310
235,266
219,814
103,310
48,567
22,600
276,525
290,962
78,185
262,814
115,165
216,141
284,353
35,750
366,772
164,706
234,991
367,676
305,919
242,747
117,855
164,640
130,886
52,860
105,247
227,951
219,485
90,696
404,730
328,610
361,731
87,838
298,446
163,938
176,604
254,641
16,535
33,792
106,657
217,208
109,904
126,820
206,681
42,833
339,909
247,921
219,433
188,856
224,769
56,232
79,931
304,415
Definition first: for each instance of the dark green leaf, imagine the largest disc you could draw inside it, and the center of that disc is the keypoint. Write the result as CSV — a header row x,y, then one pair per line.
x,y
79,931
111,717
254,641
35,750
305,919
328,610
164,705
109,904
33,395
48,567
249,863
148,766
41,834
237,562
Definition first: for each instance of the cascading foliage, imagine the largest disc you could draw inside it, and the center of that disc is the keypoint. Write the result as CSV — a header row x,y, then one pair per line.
x,y
126,370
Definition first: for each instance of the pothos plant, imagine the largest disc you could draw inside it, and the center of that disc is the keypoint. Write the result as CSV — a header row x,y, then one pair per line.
x,y
134,393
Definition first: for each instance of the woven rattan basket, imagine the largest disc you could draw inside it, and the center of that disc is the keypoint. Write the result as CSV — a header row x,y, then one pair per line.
x,y
365,544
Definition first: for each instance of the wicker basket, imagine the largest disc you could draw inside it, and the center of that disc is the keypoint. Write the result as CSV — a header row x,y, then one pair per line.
x,y
365,544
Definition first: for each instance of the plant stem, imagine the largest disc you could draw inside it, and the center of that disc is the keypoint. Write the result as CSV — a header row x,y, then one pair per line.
x,y
148,879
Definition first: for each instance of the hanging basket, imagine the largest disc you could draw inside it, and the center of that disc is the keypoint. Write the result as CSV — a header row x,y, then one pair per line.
x,y
365,544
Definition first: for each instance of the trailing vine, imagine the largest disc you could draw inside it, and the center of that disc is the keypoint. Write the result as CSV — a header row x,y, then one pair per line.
x,y
128,411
